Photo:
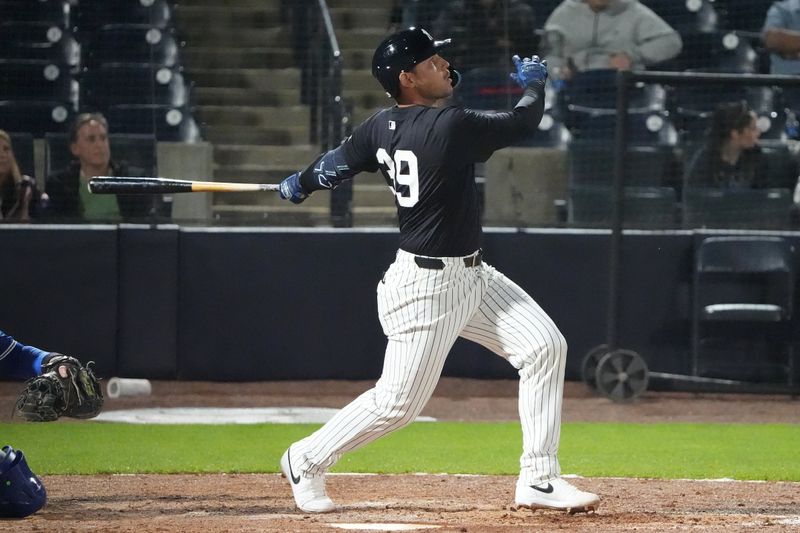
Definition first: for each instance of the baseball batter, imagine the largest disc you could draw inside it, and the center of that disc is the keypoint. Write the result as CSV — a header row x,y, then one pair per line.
x,y
439,287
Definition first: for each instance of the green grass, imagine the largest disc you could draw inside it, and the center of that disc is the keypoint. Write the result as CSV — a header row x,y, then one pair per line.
x,y
739,451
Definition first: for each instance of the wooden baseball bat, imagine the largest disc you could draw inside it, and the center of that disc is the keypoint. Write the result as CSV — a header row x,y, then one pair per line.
x,y
131,185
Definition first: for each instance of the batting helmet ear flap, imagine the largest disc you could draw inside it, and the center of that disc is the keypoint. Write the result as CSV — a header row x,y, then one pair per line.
x,y
21,492
455,77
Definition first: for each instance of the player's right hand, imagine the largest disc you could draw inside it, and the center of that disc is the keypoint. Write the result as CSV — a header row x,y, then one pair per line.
x,y
530,71
291,189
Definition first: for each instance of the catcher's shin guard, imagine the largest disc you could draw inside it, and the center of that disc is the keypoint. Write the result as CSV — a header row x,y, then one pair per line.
x,y
21,492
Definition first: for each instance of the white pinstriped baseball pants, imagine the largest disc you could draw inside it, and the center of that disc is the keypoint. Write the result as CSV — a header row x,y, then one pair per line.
x,y
423,312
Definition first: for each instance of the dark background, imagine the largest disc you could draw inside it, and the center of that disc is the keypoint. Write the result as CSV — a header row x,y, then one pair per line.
x,y
240,304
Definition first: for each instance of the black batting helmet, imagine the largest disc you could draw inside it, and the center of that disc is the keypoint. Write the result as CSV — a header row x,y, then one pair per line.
x,y
401,51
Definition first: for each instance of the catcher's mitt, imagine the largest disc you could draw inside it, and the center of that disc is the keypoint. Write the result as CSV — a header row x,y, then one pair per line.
x,y
65,388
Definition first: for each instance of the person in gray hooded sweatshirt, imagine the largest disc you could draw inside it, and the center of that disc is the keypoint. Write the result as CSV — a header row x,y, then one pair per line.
x,y
606,34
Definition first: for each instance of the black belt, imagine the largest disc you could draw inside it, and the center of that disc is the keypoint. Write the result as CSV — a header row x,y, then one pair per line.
x,y
437,264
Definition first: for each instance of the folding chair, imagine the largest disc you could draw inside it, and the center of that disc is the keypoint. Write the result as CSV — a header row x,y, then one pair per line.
x,y
745,286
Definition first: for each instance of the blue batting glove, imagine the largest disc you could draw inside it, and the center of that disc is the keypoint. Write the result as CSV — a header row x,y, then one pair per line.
x,y
530,71
290,189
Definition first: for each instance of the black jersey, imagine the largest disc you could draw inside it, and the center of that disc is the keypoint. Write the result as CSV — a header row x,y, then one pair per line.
x,y
427,156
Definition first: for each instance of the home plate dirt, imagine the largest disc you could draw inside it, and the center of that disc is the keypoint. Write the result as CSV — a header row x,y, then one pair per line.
x,y
451,503
262,502
367,526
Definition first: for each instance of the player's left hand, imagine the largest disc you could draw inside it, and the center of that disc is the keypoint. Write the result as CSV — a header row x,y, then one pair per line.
x,y
530,71
64,388
291,189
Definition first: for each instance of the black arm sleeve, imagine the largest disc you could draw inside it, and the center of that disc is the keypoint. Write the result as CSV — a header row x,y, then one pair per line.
x,y
479,134
342,163
326,172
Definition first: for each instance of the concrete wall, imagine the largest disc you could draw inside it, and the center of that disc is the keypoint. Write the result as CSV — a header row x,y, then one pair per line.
x,y
522,185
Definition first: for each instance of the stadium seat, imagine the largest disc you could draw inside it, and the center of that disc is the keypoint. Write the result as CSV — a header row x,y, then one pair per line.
x,y
57,154
22,144
707,96
781,166
37,40
38,118
127,43
736,209
643,207
688,16
692,126
53,12
790,98
744,291
597,89
591,163
115,84
773,125
136,150
93,14
715,52
34,79
166,122
644,127
30,32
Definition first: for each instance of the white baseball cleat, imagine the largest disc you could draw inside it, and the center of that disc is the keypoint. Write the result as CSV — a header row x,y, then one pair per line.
x,y
556,494
309,492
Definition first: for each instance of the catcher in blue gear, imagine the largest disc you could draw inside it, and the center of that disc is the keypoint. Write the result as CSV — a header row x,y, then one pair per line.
x,y
21,492
57,385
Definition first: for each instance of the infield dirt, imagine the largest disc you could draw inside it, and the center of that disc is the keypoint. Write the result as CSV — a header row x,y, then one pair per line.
x,y
262,502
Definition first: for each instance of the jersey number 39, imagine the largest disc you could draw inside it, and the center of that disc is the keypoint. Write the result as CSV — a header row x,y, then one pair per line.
x,y
402,170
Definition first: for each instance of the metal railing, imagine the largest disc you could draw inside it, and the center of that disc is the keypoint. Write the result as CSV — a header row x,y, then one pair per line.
x,y
320,58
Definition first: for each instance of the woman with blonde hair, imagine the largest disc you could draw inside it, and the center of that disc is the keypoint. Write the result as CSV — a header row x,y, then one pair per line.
x,y
19,197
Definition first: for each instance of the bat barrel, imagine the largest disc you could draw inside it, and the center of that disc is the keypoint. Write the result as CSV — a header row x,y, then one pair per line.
x,y
132,185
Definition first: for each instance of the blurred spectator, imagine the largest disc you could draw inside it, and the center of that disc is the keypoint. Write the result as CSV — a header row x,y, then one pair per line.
x,y
486,32
730,157
781,35
70,198
20,199
601,34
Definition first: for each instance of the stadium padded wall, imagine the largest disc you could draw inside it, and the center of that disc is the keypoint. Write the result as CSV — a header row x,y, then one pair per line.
x,y
148,302
59,290
246,304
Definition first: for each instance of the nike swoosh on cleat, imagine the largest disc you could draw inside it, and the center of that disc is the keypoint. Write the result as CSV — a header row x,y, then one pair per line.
x,y
547,490
296,480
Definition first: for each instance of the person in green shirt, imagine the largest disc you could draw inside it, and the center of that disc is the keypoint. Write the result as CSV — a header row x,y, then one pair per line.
x,y
70,199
